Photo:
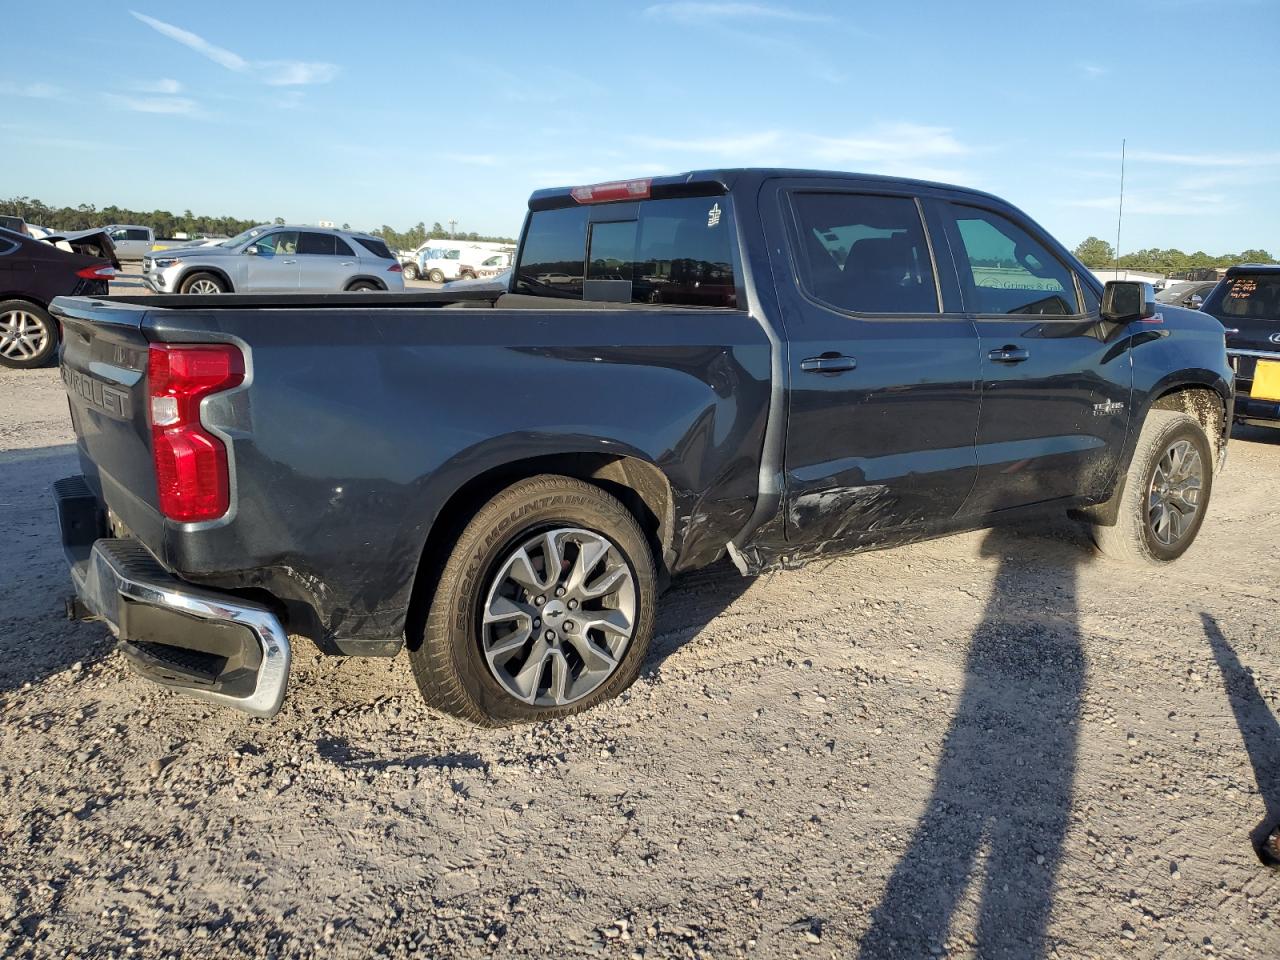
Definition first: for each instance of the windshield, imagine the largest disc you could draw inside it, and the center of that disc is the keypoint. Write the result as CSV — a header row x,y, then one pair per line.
x,y
242,238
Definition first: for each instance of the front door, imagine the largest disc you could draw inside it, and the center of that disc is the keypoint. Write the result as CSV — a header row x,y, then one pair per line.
x,y
1055,389
273,266
883,383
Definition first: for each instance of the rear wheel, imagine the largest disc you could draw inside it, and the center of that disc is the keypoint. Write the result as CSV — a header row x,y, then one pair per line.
x,y
362,286
435,276
544,607
1165,494
203,284
28,335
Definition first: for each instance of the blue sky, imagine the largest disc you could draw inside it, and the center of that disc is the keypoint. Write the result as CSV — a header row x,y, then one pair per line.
x,y
376,113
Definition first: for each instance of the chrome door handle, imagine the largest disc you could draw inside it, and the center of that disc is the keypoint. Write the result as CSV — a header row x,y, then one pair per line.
x,y
348,263
828,363
288,261
1009,354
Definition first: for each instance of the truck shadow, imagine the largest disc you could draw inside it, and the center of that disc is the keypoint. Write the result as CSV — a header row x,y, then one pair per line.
x,y
692,602
36,639
1002,794
1259,730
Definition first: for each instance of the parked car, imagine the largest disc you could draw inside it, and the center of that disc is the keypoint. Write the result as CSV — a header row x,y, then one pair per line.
x,y
132,242
32,274
1247,301
409,261
1186,293
493,266
16,224
505,496
277,259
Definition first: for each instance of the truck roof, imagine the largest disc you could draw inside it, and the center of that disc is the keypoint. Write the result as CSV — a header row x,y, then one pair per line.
x,y
723,179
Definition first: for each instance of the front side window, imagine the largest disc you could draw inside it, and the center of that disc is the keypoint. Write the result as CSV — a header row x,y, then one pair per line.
x,y
1006,271
864,253
277,244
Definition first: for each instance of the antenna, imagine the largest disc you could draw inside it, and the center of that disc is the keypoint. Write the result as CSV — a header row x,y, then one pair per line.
x,y
1120,217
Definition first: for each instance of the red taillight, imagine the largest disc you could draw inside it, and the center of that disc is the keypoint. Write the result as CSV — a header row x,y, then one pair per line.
x,y
618,190
103,271
191,463
395,268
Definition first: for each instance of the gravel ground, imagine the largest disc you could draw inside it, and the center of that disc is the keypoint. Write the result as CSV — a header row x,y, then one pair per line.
x,y
994,745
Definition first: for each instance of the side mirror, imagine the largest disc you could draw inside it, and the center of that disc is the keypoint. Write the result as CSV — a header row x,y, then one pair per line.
x,y
1124,301
1196,301
251,251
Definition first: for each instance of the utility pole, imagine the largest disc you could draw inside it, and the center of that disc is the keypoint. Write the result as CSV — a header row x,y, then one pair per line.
x,y
452,224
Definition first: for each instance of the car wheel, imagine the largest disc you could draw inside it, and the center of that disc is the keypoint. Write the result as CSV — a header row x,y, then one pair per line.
x,y
435,276
543,608
363,286
410,271
203,284
28,335
1165,492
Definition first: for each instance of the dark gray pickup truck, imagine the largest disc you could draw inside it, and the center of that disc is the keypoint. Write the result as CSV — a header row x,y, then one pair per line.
x,y
773,364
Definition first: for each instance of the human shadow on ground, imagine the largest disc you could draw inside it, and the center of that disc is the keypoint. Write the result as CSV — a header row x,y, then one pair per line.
x,y
1259,730
1001,801
36,639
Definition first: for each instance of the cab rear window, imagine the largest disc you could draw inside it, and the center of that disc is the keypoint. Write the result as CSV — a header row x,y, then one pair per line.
x,y
677,251
1253,298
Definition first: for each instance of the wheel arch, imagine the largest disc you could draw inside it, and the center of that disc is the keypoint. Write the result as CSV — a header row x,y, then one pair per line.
x,y
215,271
638,483
364,278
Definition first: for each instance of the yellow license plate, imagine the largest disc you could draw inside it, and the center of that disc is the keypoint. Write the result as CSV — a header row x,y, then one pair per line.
x,y
1266,380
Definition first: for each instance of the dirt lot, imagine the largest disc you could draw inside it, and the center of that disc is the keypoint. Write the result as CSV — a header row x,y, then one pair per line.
x,y
994,745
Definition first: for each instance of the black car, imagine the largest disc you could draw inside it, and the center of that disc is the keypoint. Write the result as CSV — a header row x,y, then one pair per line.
x,y
32,273
1186,293
1247,302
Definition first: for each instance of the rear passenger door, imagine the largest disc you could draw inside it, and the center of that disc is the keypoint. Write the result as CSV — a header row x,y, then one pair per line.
x,y
325,262
1055,390
883,380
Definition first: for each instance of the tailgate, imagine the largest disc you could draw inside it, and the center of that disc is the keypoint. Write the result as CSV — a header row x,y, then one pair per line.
x,y
103,361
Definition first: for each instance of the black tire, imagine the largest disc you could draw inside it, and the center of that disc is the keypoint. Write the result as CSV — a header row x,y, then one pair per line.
x,y
28,335
363,286
202,278
445,652
410,271
1134,538
435,276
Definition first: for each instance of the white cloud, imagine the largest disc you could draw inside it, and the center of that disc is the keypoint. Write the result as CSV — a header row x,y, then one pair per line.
x,y
1160,204
1092,70
219,55
278,73
732,144
164,85
720,12
37,91
1170,158
473,159
171,105
296,73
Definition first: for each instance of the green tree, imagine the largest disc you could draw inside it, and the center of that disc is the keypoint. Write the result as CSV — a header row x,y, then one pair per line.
x,y
1095,254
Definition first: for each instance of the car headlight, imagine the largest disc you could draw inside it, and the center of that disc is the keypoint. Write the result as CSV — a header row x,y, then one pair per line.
x,y
164,263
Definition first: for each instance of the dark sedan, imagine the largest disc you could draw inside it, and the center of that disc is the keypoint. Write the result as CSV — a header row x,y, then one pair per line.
x,y
32,273
1186,293
1247,302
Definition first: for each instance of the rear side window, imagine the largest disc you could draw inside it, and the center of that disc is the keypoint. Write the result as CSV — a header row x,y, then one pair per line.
x,y
677,251
1007,271
863,253
316,243
1252,298
137,234
375,246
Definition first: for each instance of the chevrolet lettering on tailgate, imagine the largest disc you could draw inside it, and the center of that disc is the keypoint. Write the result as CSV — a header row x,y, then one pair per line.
x,y
114,401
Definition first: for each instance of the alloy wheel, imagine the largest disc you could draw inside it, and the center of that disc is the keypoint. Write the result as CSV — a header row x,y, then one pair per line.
x,y
558,617
22,335
204,286
1173,498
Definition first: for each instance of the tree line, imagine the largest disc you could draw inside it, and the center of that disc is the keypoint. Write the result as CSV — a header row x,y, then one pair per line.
x,y
166,224
1097,254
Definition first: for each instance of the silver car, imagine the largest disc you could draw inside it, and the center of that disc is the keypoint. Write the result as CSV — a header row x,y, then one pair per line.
x,y
277,259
